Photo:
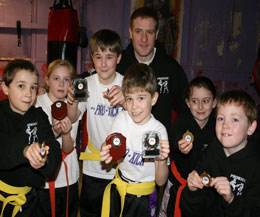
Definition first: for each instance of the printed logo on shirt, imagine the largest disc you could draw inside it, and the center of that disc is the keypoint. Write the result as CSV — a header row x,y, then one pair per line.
x,y
102,110
31,131
204,146
163,83
136,158
237,184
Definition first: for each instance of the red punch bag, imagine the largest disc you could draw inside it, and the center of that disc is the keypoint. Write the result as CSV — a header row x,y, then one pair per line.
x,y
63,33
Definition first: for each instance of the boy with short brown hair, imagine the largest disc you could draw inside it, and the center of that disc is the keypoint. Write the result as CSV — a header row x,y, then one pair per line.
x,y
102,105
136,174
226,179
23,128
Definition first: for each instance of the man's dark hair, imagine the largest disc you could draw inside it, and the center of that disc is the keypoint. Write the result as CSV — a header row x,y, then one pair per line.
x,y
144,12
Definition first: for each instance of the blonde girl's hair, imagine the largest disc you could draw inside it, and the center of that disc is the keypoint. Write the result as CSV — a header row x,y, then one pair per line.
x,y
58,63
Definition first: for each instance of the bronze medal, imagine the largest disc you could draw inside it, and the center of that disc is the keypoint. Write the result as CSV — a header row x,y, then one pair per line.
x,y
188,136
205,179
43,150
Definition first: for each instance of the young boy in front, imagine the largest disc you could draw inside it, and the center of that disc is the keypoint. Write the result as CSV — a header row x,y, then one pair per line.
x,y
231,163
102,105
136,174
22,129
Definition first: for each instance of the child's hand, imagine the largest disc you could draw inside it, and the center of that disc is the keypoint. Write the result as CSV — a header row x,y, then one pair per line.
x,y
70,98
222,186
104,153
65,125
116,96
194,181
56,126
33,154
165,149
184,146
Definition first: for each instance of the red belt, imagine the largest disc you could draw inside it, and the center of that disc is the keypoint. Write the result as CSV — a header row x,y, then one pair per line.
x,y
177,210
52,187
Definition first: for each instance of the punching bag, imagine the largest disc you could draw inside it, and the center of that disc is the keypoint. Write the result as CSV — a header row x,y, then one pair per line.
x,y
256,73
63,33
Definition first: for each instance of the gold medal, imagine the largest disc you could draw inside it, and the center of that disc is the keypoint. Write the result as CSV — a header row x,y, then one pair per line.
x,y
188,136
205,179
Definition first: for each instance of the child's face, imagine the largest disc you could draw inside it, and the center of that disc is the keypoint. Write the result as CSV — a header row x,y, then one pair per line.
x,y
59,82
201,103
22,91
233,127
139,105
105,64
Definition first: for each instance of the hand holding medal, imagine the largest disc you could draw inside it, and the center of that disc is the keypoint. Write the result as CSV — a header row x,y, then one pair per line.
x,y
186,143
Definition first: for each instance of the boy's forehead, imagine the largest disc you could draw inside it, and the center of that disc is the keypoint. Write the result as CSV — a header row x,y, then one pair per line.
x,y
25,75
137,91
232,106
106,50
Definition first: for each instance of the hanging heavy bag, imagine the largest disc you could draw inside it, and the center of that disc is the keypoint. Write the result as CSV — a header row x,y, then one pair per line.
x,y
63,33
256,72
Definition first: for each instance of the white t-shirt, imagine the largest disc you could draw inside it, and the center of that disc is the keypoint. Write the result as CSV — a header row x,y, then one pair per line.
x,y
133,167
71,160
100,115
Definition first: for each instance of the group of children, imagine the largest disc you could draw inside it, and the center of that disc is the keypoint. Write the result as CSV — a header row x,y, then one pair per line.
x,y
212,156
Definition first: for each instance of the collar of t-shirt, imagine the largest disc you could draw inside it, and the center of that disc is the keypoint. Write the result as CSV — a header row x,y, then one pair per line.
x,y
148,62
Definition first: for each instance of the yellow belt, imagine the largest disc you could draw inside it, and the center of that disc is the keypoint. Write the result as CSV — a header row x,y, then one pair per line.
x,y
17,199
95,155
144,188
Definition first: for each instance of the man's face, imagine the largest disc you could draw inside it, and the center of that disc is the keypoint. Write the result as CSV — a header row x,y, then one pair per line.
x,y
143,34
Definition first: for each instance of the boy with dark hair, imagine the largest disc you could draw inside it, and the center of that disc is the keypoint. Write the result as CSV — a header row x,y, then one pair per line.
x,y
136,176
225,181
145,48
23,128
102,105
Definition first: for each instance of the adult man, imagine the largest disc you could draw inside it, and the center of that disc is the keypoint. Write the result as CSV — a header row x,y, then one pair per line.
x,y
144,48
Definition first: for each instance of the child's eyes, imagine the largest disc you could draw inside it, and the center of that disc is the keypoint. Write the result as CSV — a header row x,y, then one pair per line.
x,y
235,120
67,80
34,87
206,101
220,119
140,98
194,101
21,85
128,99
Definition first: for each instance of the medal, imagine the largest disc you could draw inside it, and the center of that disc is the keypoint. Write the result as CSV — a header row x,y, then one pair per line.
x,y
107,94
118,142
151,145
43,150
205,179
59,110
80,88
188,136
